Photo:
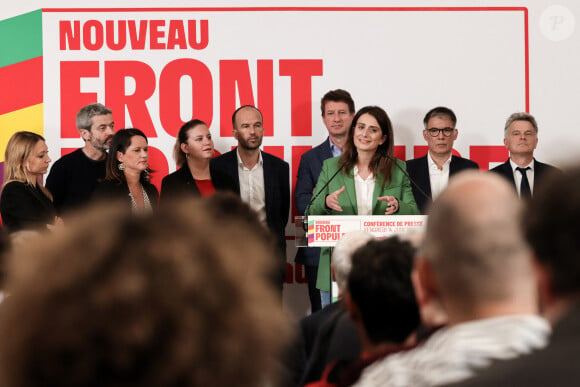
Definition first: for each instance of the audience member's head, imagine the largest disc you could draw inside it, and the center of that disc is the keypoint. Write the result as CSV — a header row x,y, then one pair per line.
x,y
552,230
174,298
476,259
380,294
342,255
225,207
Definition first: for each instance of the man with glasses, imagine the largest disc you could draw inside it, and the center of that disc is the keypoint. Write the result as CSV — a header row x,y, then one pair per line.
x,y
521,169
431,172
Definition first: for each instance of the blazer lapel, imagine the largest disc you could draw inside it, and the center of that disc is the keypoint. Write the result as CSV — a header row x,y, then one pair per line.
x,y
350,192
234,171
425,179
509,172
267,167
325,151
380,179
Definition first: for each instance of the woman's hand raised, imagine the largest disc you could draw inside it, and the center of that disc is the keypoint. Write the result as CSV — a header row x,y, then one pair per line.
x,y
332,199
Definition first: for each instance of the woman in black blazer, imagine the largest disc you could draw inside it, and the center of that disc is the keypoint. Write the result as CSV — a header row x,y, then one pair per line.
x,y
127,176
25,202
192,151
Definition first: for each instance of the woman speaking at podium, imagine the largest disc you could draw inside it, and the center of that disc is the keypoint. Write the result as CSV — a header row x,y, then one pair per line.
x,y
364,180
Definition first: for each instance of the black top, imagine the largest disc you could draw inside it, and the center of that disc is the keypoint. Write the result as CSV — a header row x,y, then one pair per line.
x,y
73,178
24,207
113,190
177,184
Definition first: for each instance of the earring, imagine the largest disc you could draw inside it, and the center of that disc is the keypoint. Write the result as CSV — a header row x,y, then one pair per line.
x,y
121,166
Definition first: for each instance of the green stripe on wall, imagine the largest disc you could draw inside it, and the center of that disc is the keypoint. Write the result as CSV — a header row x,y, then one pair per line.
x,y
21,38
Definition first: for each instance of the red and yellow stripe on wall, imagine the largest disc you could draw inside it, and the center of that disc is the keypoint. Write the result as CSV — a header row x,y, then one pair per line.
x,y
21,93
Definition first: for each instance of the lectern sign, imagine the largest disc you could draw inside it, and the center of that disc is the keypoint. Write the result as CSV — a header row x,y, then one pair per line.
x,y
325,231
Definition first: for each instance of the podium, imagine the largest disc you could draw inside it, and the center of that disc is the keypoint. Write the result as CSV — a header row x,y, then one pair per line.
x,y
326,230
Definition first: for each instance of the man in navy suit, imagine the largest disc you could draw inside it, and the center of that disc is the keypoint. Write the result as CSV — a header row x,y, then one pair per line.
x,y
337,109
521,169
262,180
432,171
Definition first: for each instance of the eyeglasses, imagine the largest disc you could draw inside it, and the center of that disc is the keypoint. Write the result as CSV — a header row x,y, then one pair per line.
x,y
434,132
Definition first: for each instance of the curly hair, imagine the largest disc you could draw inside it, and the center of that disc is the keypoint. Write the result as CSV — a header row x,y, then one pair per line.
x,y
173,298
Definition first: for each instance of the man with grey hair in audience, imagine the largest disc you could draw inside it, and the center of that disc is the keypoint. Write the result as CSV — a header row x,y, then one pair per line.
x,y
475,261
74,176
329,334
522,170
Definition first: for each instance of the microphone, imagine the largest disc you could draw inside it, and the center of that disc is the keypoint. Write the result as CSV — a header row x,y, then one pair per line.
x,y
307,212
384,154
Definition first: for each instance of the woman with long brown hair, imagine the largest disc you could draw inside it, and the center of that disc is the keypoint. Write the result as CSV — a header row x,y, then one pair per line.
x,y
192,151
367,181
128,170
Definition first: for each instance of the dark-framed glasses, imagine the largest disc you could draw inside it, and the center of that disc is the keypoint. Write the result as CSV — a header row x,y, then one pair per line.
x,y
434,132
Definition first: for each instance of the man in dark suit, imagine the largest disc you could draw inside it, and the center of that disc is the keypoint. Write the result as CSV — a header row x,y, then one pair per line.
x,y
521,169
432,171
262,180
552,230
337,109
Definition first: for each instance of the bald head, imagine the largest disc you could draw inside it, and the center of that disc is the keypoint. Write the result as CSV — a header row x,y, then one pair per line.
x,y
474,240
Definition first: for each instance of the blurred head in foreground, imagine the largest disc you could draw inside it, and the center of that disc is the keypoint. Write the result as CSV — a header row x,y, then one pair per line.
x,y
474,259
171,299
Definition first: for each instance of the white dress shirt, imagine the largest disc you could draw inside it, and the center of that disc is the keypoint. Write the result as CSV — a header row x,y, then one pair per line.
x,y
518,176
438,177
364,192
252,186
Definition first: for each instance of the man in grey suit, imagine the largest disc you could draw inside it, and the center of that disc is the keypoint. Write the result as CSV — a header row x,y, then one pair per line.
x,y
337,112
522,169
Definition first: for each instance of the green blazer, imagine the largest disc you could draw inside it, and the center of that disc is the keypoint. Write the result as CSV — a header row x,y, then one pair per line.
x,y
399,187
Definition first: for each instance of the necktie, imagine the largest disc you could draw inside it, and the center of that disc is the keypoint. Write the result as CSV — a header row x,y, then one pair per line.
x,y
525,191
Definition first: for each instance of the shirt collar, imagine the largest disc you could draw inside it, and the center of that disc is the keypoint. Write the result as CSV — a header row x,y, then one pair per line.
x,y
514,165
336,151
241,164
432,164
355,172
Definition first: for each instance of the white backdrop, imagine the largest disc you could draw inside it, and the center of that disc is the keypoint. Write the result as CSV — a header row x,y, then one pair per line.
x,y
406,60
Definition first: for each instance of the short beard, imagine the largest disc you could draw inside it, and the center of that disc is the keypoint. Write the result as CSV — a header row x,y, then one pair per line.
x,y
244,145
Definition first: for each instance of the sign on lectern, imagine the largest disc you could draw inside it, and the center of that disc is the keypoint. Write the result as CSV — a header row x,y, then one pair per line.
x,y
326,230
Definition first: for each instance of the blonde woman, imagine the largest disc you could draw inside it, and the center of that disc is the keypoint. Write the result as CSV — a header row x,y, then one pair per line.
x,y
25,202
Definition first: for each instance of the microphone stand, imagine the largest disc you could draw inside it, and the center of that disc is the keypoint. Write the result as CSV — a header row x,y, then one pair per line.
x,y
384,154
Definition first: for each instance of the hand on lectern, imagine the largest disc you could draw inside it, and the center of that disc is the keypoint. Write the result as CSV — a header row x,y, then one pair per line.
x,y
393,204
